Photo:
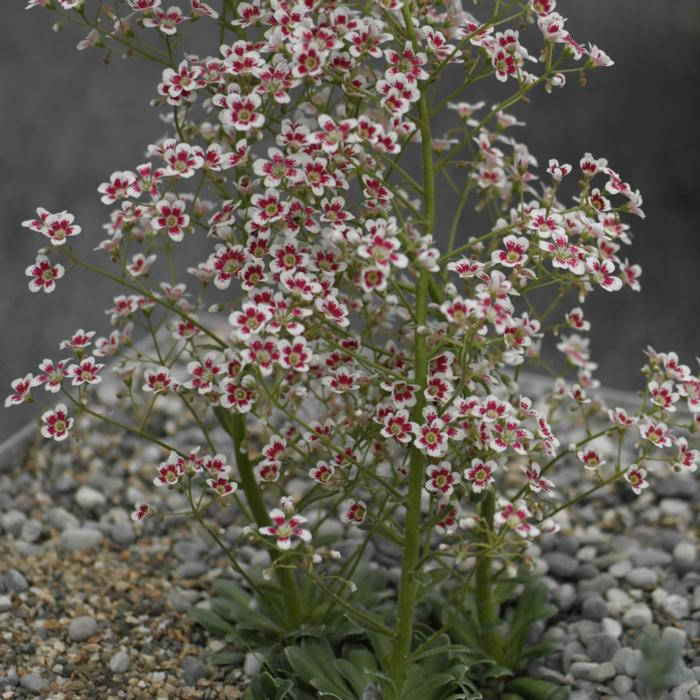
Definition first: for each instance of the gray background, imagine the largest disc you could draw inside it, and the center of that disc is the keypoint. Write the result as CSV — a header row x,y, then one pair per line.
x,y
67,121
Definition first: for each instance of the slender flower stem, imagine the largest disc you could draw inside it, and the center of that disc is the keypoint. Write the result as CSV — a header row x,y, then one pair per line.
x,y
408,585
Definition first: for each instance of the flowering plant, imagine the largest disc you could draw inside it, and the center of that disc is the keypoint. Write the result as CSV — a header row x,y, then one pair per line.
x,y
363,360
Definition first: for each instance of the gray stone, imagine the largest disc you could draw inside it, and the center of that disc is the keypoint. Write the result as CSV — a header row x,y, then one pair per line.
x,y
15,581
642,577
191,569
561,565
594,607
600,584
60,519
187,550
623,684
603,672
119,663
611,627
573,651
584,669
676,606
5,603
179,601
637,616
122,533
685,556
33,682
621,568
651,557
564,596
12,522
628,661
674,508
602,647
89,498
82,628
31,530
677,486
65,483
76,538
676,637
586,629
618,600
193,669
253,663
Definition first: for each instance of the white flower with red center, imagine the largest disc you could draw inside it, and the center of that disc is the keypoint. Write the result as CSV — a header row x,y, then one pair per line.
x,y
166,21
181,84
399,427
574,319
536,482
431,437
342,381
576,349
332,136
656,433
663,395
591,166
480,474
58,228
79,340
288,256
545,223
514,516
44,274
140,264
263,354
171,216
552,27
508,433
21,388
405,65
237,396
52,375
321,432
241,58
467,267
373,279
141,511
636,478
267,208
56,423
513,253
333,310
441,479
334,211
295,355
226,263
382,250
158,381
504,63
202,9
690,389
591,458
402,394
439,389
630,275
448,519
222,486
278,168
144,5
460,311
250,320
322,473
268,471
122,185
86,372
353,512
316,176
170,471
619,417
601,271
301,284
286,317
276,81
687,459
203,374
286,525
239,112
366,38
491,409
558,171
181,159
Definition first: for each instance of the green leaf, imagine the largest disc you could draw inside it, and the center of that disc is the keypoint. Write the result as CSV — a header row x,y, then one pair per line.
x,y
232,591
211,621
351,674
537,689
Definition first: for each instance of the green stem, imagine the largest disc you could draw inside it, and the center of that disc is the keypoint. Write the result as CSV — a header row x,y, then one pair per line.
x,y
486,606
408,584
234,425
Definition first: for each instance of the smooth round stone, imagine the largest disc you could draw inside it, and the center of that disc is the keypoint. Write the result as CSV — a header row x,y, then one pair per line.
x,y
561,565
628,661
587,553
82,628
602,647
642,577
119,663
603,672
33,682
600,584
637,616
676,606
61,519
612,627
618,600
675,508
122,533
621,568
12,522
252,664
685,555
15,581
191,569
564,596
31,530
5,603
594,608
651,557
675,636
193,669
76,538
623,684
90,498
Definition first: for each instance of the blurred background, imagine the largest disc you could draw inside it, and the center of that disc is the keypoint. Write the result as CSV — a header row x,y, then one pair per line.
x,y
67,121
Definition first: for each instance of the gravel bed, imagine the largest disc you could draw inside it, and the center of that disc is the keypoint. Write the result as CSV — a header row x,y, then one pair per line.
x,y
92,606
